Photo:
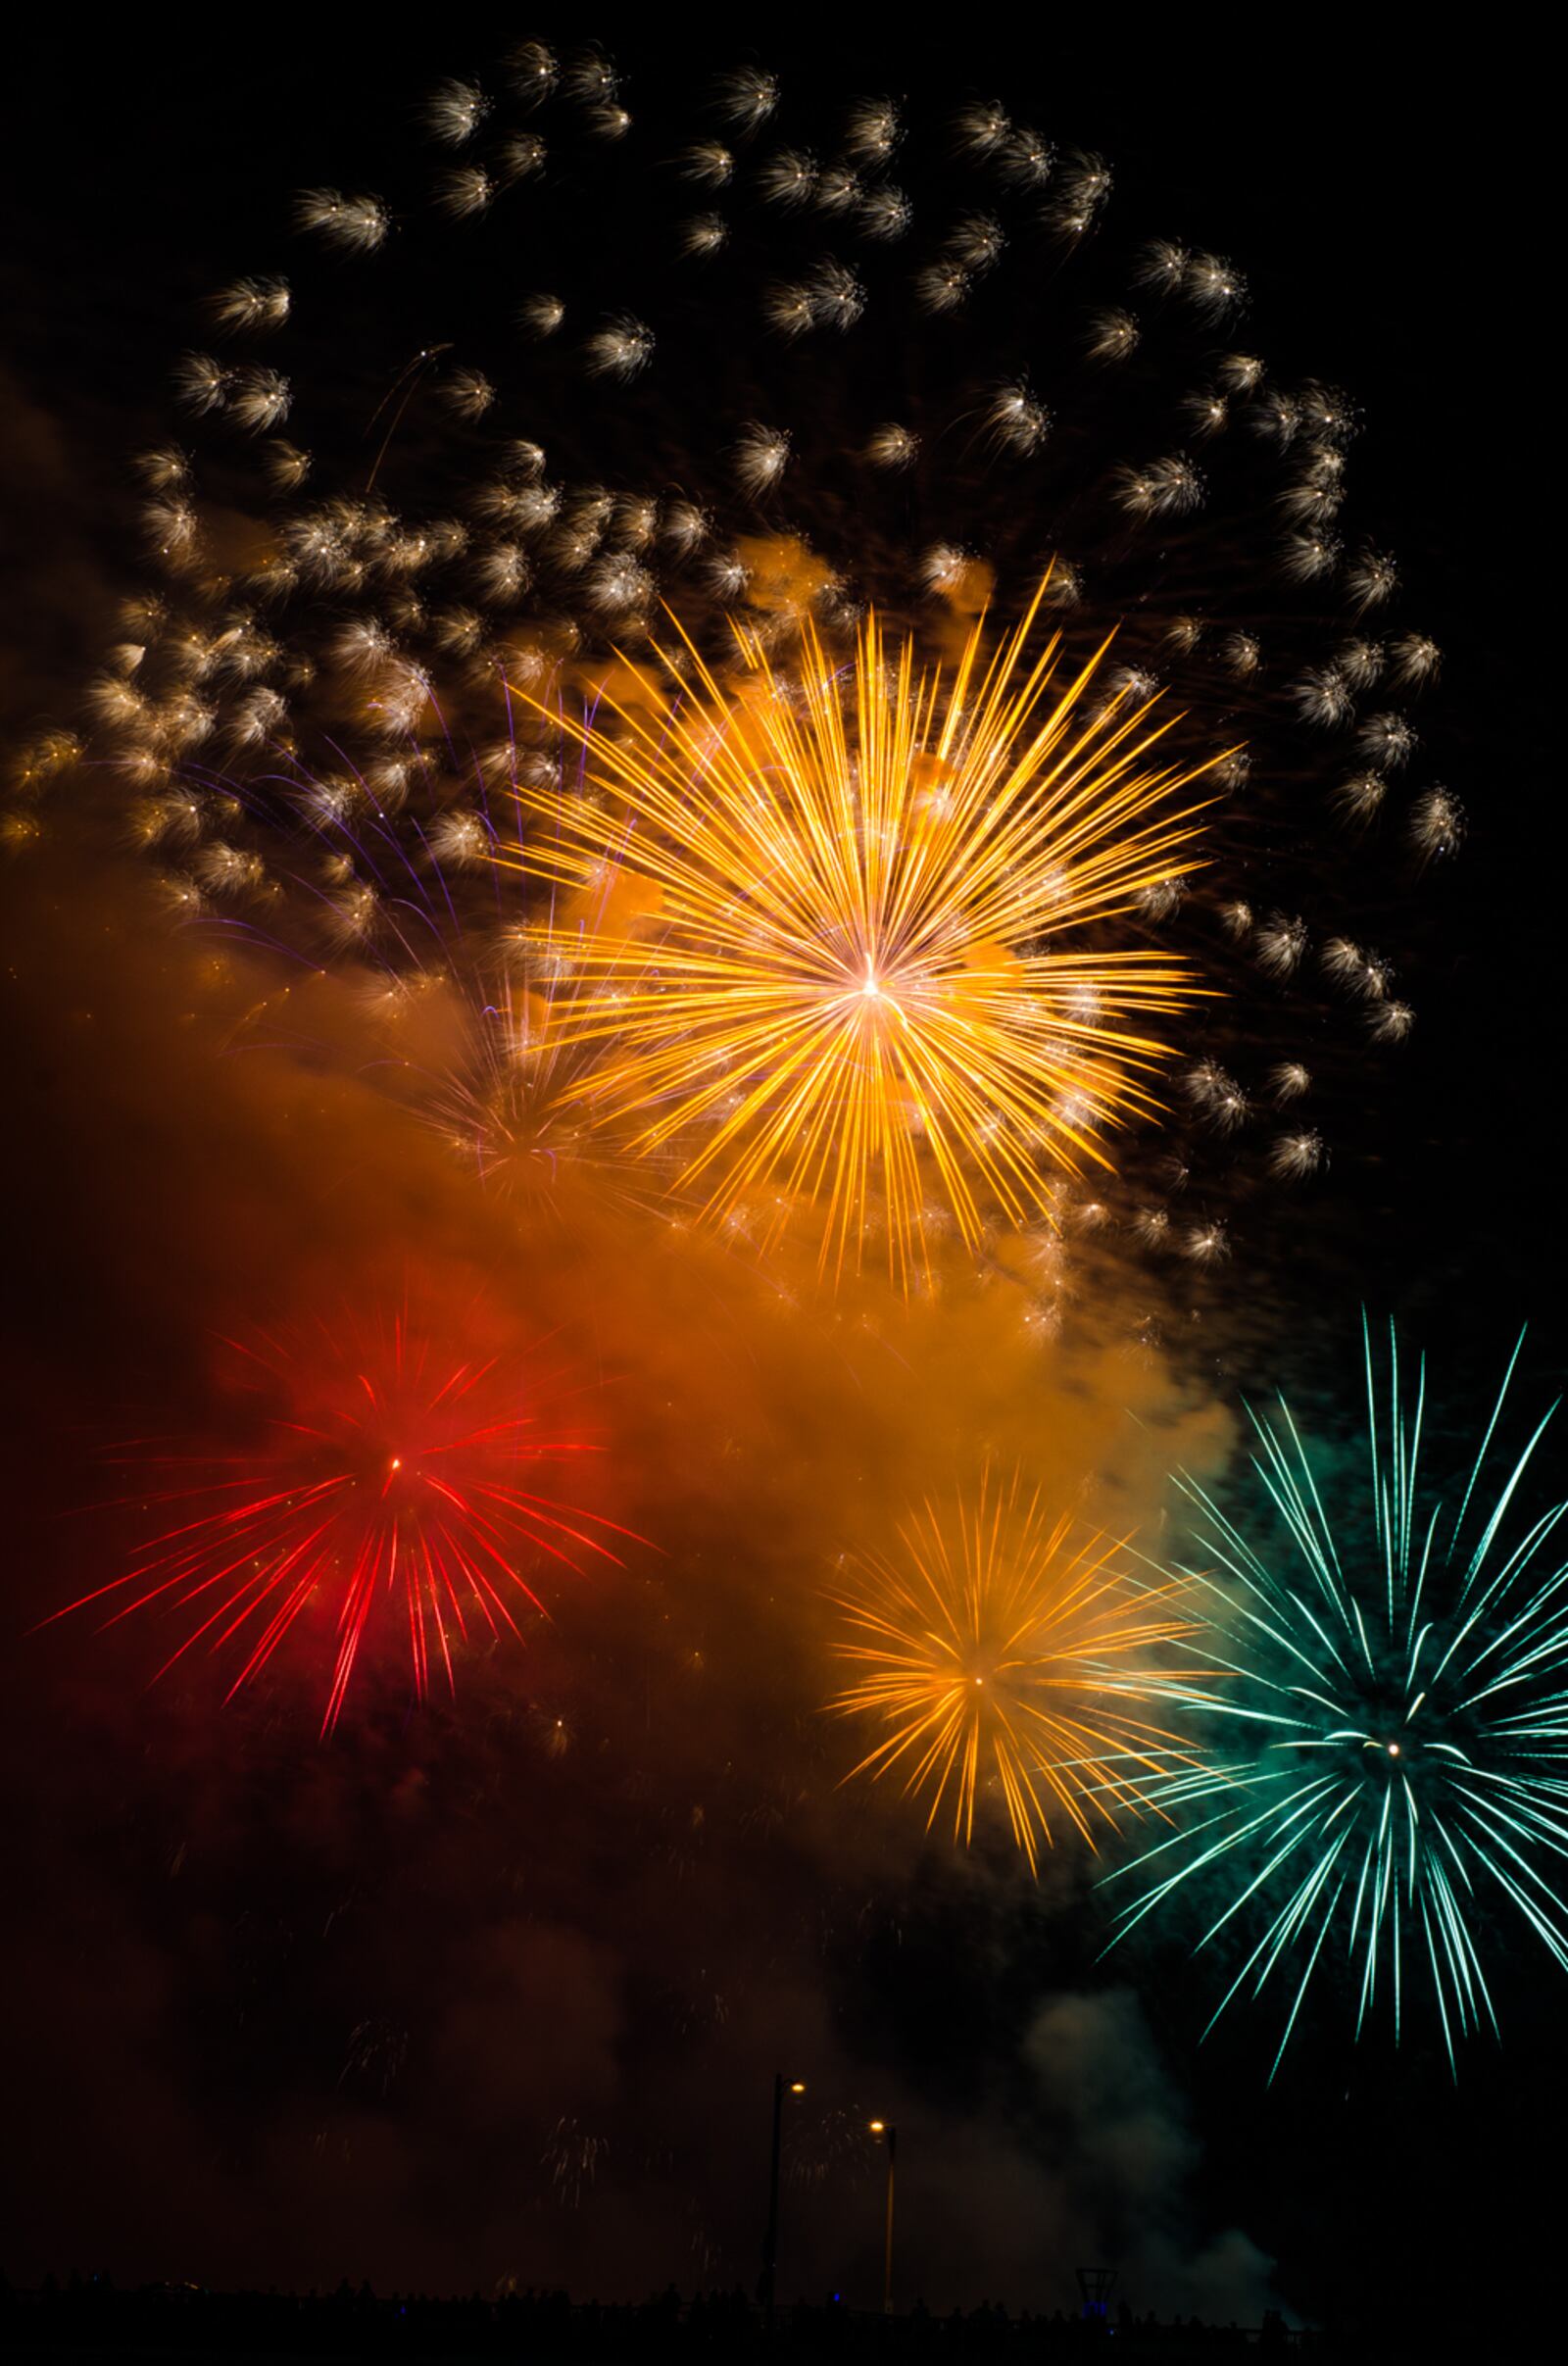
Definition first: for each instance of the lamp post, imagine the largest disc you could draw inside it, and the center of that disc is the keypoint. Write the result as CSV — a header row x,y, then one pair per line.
x,y
889,2136
781,2087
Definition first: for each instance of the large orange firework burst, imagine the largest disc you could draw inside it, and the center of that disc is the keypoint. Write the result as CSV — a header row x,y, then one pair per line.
x,y
849,932
999,1656
388,1482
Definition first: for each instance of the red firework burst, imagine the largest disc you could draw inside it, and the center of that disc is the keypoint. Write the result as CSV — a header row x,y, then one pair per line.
x,y
387,1479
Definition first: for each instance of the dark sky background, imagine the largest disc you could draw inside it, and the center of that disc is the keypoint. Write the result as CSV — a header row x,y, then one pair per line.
x,y
438,2004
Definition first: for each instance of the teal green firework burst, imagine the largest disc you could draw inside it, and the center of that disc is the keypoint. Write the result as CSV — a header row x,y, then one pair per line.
x,y
1385,1699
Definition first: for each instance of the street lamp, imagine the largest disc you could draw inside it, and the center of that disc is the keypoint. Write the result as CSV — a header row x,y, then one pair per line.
x,y
781,2087
886,2130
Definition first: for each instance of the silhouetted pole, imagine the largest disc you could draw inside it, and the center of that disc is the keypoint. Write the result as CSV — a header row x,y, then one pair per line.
x,y
781,2085
890,2137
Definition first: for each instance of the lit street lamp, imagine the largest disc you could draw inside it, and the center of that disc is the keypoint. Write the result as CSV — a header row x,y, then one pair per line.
x,y
886,2130
781,2087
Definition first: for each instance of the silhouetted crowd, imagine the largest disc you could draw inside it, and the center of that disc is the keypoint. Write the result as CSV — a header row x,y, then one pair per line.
x,y
90,2314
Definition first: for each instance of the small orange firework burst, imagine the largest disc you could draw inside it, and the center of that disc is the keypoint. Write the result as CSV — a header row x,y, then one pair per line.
x,y
850,934
1001,1658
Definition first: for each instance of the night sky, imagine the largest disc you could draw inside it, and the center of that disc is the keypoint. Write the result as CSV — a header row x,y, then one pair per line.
x,y
495,1987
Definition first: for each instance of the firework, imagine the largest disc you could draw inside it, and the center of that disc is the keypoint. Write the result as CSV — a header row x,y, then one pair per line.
x,y
467,1014
928,385
1003,1658
509,1098
852,934
1388,1768
388,1484
572,2156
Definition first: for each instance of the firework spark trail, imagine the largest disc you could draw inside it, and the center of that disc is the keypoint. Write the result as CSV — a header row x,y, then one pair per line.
x,y
399,1479
997,1654
1389,1756
831,917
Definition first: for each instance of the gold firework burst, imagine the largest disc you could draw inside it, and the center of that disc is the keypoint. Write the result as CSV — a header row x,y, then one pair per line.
x,y
853,928
998,1654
